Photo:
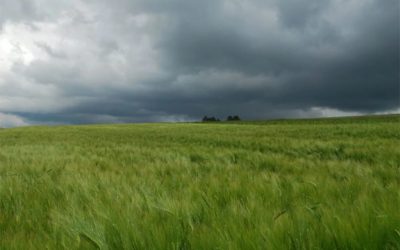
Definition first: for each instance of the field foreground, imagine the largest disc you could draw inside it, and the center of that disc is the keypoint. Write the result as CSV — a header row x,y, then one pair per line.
x,y
306,184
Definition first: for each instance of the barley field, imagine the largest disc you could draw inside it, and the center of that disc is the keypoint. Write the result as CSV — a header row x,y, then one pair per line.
x,y
289,184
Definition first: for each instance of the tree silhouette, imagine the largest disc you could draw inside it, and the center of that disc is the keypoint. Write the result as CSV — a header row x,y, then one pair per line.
x,y
233,118
210,119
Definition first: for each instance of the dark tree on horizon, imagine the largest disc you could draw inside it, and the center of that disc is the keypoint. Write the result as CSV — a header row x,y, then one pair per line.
x,y
233,118
210,119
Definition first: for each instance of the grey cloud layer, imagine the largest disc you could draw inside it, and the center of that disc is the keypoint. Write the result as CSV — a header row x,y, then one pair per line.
x,y
122,61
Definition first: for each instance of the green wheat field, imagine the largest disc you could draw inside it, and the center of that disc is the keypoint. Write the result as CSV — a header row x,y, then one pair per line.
x,y
289,184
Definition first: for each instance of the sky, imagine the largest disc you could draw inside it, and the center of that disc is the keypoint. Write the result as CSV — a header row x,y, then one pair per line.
x,y
101,61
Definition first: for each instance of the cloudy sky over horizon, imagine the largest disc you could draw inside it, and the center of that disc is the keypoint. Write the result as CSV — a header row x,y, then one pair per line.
x,y
99,61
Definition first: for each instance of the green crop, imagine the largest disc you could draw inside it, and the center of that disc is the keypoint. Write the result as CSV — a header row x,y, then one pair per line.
x,y
291,184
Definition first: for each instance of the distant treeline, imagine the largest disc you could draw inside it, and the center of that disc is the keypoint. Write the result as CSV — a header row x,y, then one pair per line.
x,y
214,119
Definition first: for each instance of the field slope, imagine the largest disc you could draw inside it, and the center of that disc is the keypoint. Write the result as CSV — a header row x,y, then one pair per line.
x,y
299,184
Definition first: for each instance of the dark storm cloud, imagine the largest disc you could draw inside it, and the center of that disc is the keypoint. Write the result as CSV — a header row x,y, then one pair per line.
x,y
128,61
358,71
299,13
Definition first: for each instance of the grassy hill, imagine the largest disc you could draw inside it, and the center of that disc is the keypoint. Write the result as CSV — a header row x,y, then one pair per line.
x,y
291,184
